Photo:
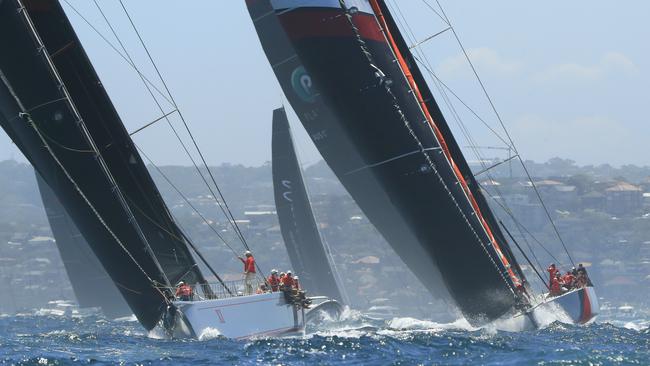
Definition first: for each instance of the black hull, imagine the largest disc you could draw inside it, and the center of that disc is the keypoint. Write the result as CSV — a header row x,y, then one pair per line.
x,y
91,284
434,207
297,223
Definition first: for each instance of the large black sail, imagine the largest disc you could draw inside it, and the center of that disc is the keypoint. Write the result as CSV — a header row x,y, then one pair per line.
x,y
91,284
48,89
297,223
337,149
356,68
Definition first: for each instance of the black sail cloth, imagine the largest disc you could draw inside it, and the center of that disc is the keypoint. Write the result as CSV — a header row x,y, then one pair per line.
x,y
297,223
91,284
373,100
28,86
339,152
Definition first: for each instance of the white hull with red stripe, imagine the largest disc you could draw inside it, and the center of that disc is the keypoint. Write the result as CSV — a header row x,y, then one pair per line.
x,y
579,305
238,317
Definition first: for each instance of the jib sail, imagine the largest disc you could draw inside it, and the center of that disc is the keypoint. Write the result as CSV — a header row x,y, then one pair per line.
x,y
91,284
297,223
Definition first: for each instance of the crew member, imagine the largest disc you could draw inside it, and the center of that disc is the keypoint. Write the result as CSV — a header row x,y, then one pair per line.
x,y
274,280
262,289
552,270
555,286
583,270
569,280
287,282
249,271
183,291
296,284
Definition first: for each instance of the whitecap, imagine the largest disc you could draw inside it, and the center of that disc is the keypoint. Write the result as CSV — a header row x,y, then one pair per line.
x,y
209,333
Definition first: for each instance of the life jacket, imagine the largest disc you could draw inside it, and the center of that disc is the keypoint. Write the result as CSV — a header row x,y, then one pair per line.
x,y
555,287
274,282
287,282
249,264
568,280
184,290
552,271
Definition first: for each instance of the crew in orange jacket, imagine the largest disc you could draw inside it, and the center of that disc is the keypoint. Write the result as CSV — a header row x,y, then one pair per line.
x,y
249,271
273,280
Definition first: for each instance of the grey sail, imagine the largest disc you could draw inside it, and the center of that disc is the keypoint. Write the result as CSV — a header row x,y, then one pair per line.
x,y
91,284
302,239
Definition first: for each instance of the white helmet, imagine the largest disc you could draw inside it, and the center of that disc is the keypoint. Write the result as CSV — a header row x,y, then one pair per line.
x,y
248,252
288,272
295,277
274,271
180,283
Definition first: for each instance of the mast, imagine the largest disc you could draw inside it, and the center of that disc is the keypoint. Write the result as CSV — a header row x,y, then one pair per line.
x,y
91,284
297,223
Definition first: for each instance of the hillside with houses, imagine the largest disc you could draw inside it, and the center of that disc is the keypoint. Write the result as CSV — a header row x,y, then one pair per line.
x,y
601,212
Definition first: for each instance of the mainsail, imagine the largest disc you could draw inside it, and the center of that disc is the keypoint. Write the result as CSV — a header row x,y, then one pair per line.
x,y
339,152
297,223
55,109
366,75
91,284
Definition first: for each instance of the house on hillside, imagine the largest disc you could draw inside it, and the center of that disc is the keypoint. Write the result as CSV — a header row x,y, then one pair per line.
x,y
623,198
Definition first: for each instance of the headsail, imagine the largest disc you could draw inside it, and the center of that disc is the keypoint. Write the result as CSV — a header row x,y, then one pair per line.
x,y
91,284
55,109
299,230
363,76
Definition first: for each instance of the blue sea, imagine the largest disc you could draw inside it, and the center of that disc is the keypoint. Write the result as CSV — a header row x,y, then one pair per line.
x,y
51,337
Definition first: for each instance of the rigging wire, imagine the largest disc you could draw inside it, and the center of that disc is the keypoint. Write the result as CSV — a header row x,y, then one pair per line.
x,y
427,66
426,156
116,50
26,116
180,114
498,116
225,210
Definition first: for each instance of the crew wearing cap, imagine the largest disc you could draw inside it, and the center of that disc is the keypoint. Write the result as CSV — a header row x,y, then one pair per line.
x,y
183,291
249,271
274,280
287,282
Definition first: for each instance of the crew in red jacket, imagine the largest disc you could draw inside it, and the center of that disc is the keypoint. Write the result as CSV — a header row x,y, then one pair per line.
x,y
273,280
287,282
568,280
249,271
183,291
556,289
552,270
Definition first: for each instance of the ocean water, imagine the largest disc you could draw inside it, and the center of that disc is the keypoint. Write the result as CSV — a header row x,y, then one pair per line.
x,y
51,337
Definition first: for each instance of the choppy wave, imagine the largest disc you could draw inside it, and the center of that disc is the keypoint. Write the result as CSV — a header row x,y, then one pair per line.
x,y
356,339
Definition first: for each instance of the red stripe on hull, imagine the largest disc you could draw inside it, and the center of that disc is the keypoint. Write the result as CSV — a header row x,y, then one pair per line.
x,y
586,307
310,23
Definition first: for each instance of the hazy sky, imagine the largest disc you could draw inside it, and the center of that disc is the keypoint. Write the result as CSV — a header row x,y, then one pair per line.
x,y
569,78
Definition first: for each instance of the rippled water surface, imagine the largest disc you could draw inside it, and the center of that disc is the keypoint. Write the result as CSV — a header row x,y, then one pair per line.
x,y
44,338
